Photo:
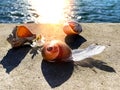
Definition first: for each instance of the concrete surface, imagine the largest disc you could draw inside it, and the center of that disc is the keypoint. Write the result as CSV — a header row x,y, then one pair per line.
x,y
22,69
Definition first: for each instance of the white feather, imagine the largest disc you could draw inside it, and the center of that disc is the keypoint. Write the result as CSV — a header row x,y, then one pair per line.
x,y
80,54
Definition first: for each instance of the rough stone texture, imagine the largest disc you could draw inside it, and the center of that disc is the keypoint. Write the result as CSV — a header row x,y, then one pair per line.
x,y
19,70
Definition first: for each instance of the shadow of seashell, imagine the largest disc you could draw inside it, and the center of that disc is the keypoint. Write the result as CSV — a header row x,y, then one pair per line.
x,y
74,41
56,73
14,57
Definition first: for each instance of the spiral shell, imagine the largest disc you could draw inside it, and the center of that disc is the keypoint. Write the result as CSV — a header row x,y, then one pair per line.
x,y
72,27
56,51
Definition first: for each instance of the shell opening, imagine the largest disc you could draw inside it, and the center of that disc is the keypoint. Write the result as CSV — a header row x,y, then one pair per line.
x,y
75,26
23,32
49,48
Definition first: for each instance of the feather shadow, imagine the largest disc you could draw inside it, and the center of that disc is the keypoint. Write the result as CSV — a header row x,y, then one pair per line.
x,y
14,57
56,73
99,64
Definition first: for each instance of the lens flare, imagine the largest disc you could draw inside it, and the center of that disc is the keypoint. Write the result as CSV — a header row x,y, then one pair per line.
x,y
49,11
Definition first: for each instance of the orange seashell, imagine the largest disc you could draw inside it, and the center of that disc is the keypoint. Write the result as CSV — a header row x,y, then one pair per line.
x,y
72,28
23,32
20,35
56,51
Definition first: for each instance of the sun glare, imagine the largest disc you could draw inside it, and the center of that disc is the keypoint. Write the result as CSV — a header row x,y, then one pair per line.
x,y
49,11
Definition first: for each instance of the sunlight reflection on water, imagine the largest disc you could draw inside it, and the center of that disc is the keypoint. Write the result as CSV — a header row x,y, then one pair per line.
x,y
50,11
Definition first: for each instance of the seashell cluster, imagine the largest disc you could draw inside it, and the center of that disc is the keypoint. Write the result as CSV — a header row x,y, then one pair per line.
x,y
72,27
56,51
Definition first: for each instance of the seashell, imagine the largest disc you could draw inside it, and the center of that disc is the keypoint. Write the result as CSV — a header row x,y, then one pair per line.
x,y
20,35
72,27
55,51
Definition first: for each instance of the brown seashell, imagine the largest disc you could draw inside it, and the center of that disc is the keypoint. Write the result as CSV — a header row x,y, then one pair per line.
x,y
56,51
72,28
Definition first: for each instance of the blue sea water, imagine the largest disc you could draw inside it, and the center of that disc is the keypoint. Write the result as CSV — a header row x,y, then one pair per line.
x,y
97,10
15,11
88,11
